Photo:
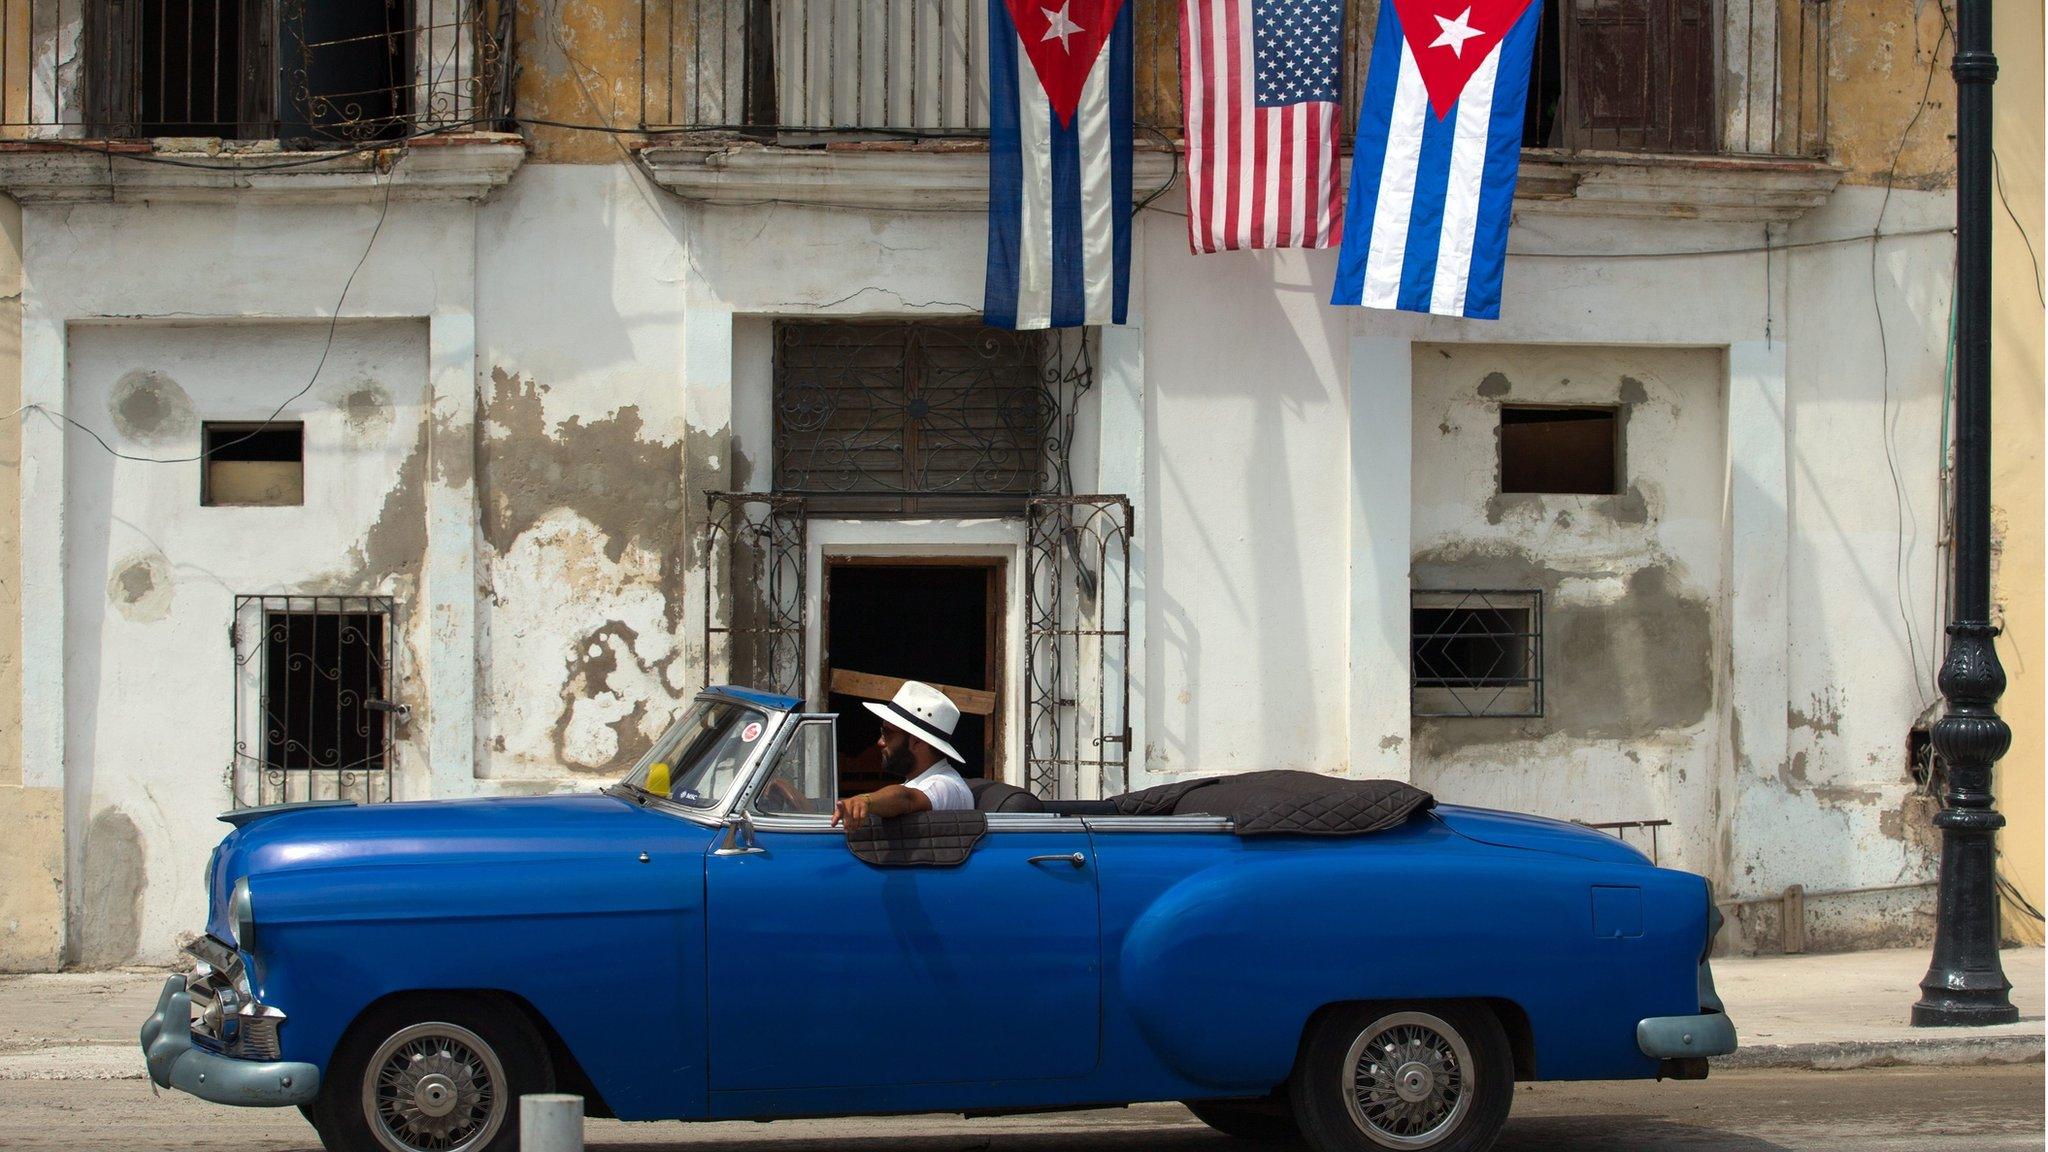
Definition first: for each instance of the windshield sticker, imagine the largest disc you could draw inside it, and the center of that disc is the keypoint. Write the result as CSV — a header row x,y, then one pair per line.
x,y
688,796
750,733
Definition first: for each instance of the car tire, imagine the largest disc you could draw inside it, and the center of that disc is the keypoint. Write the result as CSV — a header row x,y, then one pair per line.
x,y
1444,1081
453,1070
1270,1119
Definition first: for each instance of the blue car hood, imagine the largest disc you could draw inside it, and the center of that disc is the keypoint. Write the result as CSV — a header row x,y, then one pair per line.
x,y
429,832
1536,834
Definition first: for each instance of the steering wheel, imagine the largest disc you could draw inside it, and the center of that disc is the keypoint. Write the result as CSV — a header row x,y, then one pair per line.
x,y
784,796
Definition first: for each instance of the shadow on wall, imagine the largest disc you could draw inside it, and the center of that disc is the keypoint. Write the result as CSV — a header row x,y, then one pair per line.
x,y
110,928
1243,580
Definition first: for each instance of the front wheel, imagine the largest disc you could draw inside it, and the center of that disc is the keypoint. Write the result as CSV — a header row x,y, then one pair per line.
x,y
1435,1077
439,1075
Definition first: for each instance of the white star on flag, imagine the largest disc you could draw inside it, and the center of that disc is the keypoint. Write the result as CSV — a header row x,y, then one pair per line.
x,y
1455,33
1060,25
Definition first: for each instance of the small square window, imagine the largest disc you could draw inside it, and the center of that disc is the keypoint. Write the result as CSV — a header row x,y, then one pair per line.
x,y
253,464
1569,450
1476,653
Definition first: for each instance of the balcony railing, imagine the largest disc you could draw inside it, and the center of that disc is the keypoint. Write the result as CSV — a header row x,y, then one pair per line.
x,y
906,67
1738,77
314,71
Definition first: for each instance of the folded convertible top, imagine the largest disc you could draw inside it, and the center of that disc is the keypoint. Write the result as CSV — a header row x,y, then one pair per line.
x,y
1275,803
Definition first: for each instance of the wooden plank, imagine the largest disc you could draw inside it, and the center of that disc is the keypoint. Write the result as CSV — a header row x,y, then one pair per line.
x,y
868,686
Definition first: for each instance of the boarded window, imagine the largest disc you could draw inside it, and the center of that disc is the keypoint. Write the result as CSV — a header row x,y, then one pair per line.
x,y
1559,450
1476,653
1637,75
253,464
893,419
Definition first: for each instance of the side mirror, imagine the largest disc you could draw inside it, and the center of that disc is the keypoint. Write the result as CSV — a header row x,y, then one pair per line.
x,y
739,838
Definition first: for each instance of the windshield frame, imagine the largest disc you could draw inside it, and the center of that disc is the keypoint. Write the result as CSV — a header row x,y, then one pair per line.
x,y
774,721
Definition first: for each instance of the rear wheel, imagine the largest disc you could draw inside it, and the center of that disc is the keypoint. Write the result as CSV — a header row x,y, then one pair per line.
x,y
439,1075
1263,1119
1435,1077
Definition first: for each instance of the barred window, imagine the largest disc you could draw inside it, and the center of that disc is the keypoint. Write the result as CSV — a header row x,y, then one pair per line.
x,y
1476,652
902,418
312,698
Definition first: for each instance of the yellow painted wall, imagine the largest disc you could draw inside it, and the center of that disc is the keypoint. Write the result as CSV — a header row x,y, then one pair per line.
x,y
2017,478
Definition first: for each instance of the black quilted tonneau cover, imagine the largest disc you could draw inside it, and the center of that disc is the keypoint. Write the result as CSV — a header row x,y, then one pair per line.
x,y
1275,803
919,840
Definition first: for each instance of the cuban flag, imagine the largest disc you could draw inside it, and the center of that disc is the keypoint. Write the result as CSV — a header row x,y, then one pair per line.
x,y
1059,163
1433,165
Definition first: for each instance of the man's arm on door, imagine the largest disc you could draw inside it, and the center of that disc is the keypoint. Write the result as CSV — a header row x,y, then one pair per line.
x,y
882,803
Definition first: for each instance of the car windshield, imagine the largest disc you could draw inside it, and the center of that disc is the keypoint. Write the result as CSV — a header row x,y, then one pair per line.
x,y
698,760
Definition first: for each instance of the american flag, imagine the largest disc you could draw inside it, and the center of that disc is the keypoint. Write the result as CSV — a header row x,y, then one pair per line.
x,y
1259,89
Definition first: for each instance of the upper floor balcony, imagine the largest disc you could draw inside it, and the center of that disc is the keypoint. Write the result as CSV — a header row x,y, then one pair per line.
x,y
244,79
1726,97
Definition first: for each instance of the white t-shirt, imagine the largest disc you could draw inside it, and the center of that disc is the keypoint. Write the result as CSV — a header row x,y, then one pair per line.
x,y
948,792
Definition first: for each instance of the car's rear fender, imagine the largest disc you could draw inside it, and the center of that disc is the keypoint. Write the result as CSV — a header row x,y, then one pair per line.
x,y
1223,970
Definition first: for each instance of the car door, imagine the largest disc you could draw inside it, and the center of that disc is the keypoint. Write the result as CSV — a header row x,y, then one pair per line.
x,y
824,971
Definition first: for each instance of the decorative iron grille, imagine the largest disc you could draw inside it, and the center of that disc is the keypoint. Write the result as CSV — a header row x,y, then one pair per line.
x,y
907,418
1077,620
754,604
312,699
1476,652
297,70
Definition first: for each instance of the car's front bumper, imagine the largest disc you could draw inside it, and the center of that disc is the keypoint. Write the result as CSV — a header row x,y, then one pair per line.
x,y
175,1062
1682,1037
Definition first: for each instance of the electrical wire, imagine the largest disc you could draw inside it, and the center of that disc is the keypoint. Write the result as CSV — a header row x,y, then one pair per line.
x,y
1998,182
333,322
1901,572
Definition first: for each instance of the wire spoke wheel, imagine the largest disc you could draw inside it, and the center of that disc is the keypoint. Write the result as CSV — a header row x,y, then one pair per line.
x,y
1408,1080
435,1087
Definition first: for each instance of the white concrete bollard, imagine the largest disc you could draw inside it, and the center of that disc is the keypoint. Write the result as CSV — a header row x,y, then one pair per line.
x,y
550,1122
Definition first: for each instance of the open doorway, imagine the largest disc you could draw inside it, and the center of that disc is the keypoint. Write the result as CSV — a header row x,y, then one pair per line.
x,y
891,618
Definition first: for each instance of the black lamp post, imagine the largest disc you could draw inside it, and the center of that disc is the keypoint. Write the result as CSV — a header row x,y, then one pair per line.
x,y
1965,984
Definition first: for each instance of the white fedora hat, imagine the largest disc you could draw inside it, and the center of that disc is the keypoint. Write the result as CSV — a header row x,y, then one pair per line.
x,y
924,712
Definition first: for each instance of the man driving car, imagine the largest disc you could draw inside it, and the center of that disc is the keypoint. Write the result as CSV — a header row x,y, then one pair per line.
x,y
916,739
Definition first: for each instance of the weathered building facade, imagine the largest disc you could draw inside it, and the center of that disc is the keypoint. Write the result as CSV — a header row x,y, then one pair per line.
x,y
446,464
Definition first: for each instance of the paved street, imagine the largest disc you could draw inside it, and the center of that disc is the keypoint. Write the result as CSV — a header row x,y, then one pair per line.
x,y
1984,1109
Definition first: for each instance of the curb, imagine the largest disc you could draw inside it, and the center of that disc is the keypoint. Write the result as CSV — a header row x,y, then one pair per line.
x,y
1846,1055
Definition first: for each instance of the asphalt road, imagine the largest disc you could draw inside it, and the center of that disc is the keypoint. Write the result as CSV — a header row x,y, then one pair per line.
x,y
1989,1109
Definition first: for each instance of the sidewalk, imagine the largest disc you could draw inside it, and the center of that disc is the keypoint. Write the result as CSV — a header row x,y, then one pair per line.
x,y
1823,1012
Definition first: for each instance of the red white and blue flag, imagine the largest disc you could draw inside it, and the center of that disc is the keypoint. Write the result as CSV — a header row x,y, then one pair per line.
x,y
1059,163
1259,88
1433,165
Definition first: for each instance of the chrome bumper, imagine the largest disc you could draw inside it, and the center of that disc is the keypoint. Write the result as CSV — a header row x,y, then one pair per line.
x,y
174,1062
1677,1037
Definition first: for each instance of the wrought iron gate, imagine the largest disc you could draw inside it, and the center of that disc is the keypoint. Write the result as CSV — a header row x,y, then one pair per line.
x,y
1077,646
754,597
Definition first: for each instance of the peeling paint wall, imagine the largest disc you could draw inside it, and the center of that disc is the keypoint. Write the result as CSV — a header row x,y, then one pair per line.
x,y
1884,57
580,476
149,768
1630,582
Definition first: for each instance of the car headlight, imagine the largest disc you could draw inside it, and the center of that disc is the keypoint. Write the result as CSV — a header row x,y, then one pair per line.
x,y
242,917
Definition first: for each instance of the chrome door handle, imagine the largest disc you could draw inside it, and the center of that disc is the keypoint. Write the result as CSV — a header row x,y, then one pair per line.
x,y
1074,858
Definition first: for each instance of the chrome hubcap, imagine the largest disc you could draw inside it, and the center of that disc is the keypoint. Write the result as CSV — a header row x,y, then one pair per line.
x,y
435,1088
1408,1080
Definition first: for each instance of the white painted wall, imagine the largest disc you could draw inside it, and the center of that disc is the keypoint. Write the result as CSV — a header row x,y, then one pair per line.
x,y
600,350
151,576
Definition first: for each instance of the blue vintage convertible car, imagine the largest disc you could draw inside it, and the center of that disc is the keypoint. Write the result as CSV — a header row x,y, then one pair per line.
x,y
698,943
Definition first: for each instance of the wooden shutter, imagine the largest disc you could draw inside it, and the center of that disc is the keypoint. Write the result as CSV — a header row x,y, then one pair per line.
x,y
1638,75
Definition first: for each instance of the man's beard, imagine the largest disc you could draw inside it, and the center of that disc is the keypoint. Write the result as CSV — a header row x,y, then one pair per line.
x,y
898,761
